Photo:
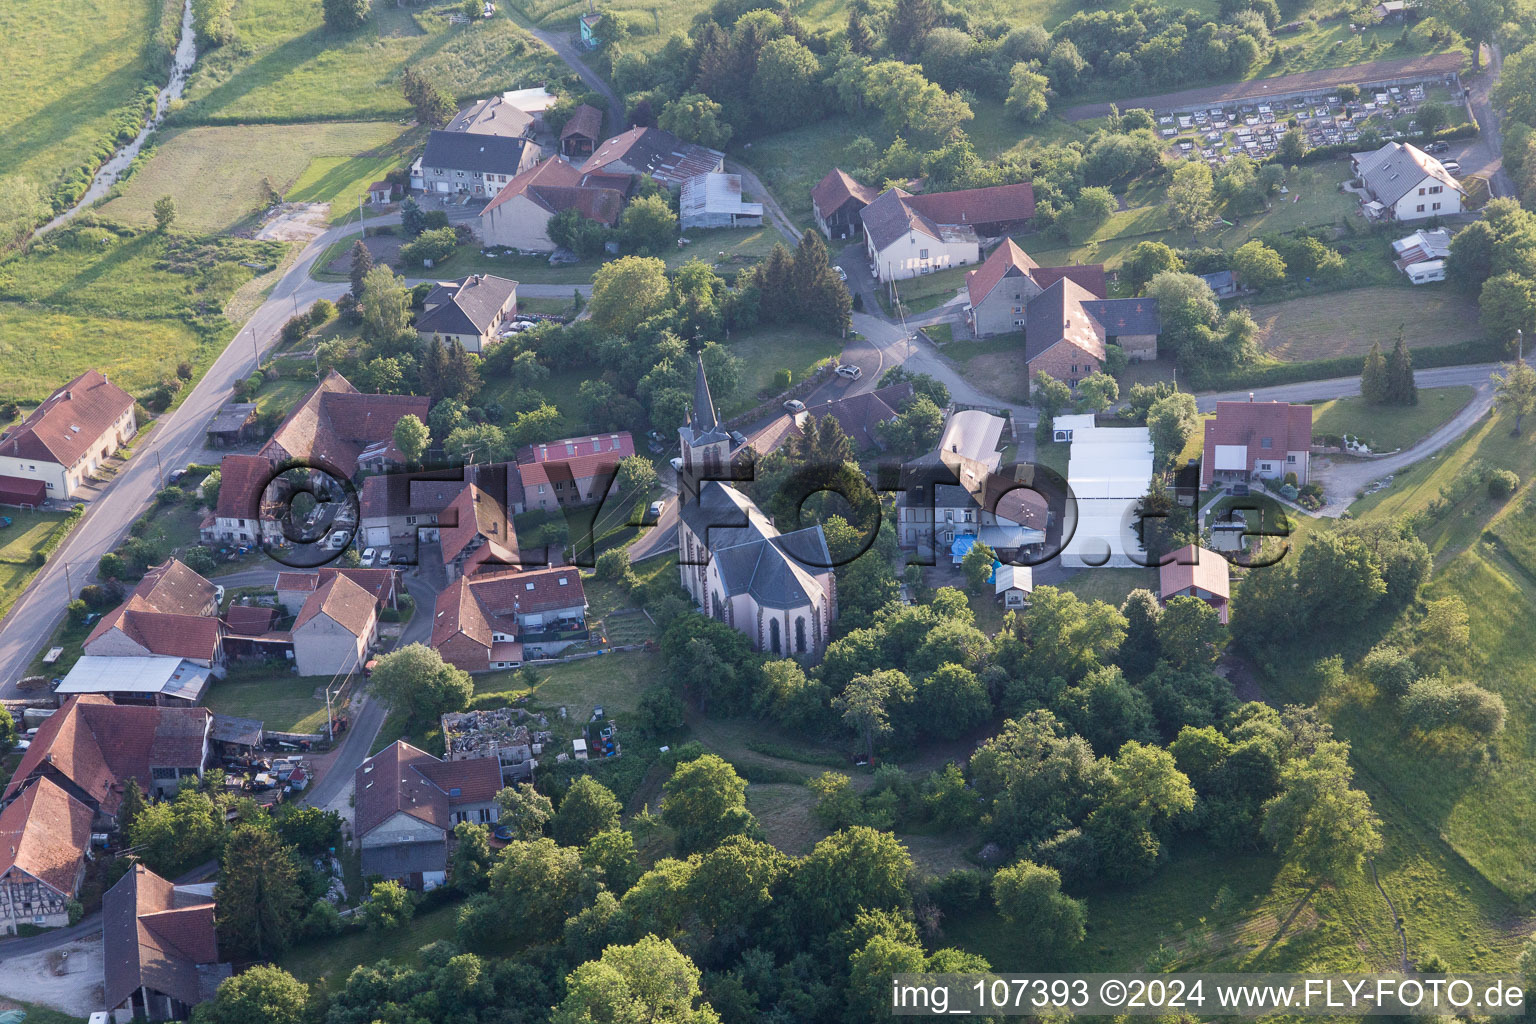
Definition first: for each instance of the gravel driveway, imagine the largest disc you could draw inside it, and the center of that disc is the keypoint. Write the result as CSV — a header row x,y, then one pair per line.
x,y
33,979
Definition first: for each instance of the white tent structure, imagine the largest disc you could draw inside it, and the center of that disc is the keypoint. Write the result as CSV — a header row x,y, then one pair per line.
x,y
1109,470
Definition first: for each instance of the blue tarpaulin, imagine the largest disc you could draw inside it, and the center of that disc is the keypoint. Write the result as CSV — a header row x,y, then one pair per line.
x,y
961,545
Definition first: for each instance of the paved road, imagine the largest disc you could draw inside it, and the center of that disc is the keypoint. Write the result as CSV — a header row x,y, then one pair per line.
x,y
566,50
1475,375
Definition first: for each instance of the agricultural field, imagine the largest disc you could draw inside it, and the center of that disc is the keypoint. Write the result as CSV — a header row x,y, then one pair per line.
x,y
69,77
286,66
1347,323
1389,427
328,163
42,349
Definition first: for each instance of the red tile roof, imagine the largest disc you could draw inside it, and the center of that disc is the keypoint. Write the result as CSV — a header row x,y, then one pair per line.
x,y
45,832
97,745
69,422
1193,566
457,612
1008,256
174,636
1088,276
479,606
1287,427
174,588
381,583
997,204
241,480
335,422
585,121
584,457
477,780
475,513
836,189
249,620
344,602
403,778
156,936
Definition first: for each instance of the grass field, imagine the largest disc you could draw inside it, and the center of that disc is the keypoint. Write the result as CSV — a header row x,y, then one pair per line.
x,y
1388,428
68,74
311,162
284,703
764,351
616,681
286,66
28,532
331,961
1347,323
41,349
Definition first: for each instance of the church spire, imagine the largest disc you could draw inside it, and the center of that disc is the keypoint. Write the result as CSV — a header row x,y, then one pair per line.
x,y
704,418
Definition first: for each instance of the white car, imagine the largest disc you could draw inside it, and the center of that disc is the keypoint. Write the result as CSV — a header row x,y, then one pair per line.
x,y
653,513
218,594
1451,165
850,371
384,556
369,554
338,539
795,405
677,465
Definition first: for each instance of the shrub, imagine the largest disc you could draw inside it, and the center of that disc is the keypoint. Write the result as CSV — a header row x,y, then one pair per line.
x,y
78,610
613,564
782,379
200,560
436,245
1389,668
184,370
1502,483
321,312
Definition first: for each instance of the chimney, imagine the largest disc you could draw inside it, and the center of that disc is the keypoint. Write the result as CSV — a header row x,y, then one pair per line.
x,y
68,395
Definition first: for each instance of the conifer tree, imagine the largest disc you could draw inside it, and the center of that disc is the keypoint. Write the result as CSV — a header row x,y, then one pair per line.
x,y
362,262
1401,389
1373,378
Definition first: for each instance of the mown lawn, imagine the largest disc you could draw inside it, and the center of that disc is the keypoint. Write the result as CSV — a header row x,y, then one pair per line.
x,y
286,66
616,681
29,531
284,703
41,349
1110,585
308,162
1349,322
1388,428
329,962
68,73
764,351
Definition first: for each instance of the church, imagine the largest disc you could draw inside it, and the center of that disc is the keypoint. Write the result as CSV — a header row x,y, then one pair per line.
x,y
776,588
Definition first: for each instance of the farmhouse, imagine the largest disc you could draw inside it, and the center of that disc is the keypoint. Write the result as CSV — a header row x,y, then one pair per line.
x,y
1193,571
160,950
1067,330
1248,441
1108,470
499,620
714,201
295,587
171,613
236,516
495,115
519,216
469,311
1001,288
571,471
91,747
404,508
839,202
335,629
66,438
660,154
407,801
474,530
467,162
906,235
45,834
1402,182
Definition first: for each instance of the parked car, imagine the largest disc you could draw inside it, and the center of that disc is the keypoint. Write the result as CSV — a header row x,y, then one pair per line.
x,y
677,465
653,513
1438,147
795,405
369,554
384,556
176,474
338,539
850,371
1452,166
218,593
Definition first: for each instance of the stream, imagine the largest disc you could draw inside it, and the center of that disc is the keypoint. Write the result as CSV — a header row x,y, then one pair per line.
x,y
107,175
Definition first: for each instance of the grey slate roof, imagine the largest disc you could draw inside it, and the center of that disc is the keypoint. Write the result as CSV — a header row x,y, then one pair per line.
x,y
1057,315
752,557
703,422
402,859
1125,316
658,153
471,151
1396,169
466,307
888,218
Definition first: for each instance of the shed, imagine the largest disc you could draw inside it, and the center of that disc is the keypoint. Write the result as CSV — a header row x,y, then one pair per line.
x,y
237,734
714,201
380,192
15,490
1012,585
163,681
1062,427
233,425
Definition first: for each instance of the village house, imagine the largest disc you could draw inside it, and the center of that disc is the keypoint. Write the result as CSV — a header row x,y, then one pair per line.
x,y
1067,330
500,620
469,311
519,216
1249,441
160,947
335,629
65,440
475,532
172,613
406,804
570,471
295,586
663,156
91,748
45,837
470,162
1000,290
494,115
838,202
1402,182
715,201
1194,571
582,131
955,496
236,515
860,416
380,193
402,509
906,235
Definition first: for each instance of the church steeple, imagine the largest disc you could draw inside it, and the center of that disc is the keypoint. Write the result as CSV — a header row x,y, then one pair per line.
x,y
704,419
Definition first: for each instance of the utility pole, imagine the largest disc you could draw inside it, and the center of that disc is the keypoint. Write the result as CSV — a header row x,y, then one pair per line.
x,y
159,471
69,588
255,349
1520,340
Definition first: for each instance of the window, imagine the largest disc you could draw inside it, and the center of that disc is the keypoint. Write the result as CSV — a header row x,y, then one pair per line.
x,y
773,636
410,520
1267,442
800,635
1421,191
1291,459
1420,208
559,485
1018,323
922,254
970,515
455,791
1074,367
163,774
459,816
485,815
541,488
1436,190
1434,206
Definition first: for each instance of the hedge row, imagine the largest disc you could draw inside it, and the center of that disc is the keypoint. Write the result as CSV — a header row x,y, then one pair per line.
x,y
1461,353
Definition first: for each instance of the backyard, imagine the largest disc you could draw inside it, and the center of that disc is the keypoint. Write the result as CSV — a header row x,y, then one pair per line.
x,y
286,66
1387,428
330,163
27,535
283,702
